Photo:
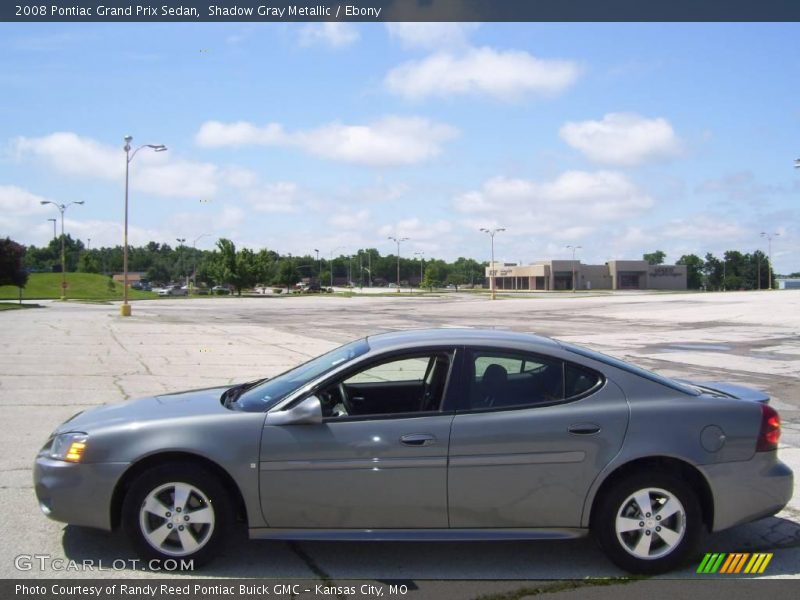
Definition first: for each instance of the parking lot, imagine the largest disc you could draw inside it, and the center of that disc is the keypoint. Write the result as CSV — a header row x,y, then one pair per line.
x,y
66,357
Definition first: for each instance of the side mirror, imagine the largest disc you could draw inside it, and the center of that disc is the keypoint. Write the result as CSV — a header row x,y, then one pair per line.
x,y
308,412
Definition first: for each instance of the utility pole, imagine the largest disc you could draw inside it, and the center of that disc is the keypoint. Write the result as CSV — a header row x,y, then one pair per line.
x,y
492,233
398,240
769,252
574,248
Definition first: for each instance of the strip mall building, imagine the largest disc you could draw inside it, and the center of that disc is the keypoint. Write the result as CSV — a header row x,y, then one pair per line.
x,y
614,275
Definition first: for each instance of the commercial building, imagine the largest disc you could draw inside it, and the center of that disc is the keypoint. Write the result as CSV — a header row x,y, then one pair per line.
x,y
788,283
613,275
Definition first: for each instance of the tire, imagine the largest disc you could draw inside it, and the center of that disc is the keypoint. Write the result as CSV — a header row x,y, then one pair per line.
x,y
654,540
194,529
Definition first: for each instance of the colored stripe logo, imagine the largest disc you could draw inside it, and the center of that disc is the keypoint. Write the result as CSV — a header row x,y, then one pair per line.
x,y
734,562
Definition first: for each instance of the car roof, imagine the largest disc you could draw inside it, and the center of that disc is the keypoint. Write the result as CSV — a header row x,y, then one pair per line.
x,y
457,336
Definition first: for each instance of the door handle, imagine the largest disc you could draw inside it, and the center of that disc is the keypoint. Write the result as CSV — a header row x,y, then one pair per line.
x,y
418,439
584,428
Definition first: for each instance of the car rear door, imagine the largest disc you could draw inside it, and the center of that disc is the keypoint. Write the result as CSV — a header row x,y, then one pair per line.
x,y
525,448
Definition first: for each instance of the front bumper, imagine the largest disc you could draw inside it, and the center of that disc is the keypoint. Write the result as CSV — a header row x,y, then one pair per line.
x,y
749,490
76,493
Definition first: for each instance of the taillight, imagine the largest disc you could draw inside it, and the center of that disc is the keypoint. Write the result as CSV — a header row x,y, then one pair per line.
x,y
770,431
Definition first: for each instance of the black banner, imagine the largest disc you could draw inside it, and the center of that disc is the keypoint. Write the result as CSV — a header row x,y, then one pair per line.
x,y
399,10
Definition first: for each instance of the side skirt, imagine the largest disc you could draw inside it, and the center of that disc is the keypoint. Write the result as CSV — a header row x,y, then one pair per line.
x,y
415,535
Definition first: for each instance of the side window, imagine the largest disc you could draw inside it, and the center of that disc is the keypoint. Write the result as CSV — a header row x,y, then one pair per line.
x,y
408,384
502,380
578,381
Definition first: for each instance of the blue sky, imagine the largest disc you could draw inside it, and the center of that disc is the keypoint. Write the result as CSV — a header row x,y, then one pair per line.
x,y
620,138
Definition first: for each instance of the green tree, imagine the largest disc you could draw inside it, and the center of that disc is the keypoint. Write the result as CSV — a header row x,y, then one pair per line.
x,y
432,277
694,270
89,262
712,272
11,269
655,258
288,274
455,278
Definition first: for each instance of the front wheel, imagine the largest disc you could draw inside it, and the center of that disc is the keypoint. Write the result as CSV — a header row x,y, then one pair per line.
x,y
648,523
176,511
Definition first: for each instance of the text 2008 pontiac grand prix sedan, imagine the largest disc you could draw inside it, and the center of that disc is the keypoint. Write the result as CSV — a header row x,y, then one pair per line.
x,y
427,435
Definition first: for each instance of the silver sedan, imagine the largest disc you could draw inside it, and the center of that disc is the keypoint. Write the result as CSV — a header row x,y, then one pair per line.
x,y
427,435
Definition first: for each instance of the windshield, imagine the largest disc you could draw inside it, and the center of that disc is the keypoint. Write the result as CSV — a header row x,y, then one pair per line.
x,y
265,395
625,366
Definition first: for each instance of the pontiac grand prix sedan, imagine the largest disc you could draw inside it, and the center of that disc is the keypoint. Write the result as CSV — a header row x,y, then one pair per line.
x,y
427,435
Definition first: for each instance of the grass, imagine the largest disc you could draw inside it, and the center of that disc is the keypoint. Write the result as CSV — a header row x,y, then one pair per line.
x,y
80,286
17,306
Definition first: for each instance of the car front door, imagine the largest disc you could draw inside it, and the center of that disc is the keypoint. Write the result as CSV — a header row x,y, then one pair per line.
x,y
377,461
530,436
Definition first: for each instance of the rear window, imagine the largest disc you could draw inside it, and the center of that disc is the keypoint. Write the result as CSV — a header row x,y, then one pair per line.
x,y
630,368
578,381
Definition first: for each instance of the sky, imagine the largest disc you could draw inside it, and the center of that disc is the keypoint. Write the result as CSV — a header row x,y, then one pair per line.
x,y
618,138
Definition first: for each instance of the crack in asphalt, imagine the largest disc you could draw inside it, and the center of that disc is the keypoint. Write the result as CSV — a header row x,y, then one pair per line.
x,y
313,566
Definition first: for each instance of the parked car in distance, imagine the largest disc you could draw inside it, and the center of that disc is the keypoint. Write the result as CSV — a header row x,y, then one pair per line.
x,y
173,290
443,434
220,290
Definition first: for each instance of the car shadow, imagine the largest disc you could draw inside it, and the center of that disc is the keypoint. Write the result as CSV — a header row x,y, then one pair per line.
x,y
492,560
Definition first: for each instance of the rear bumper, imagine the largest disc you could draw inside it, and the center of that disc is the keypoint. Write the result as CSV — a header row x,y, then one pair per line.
x,y
78,494
749,490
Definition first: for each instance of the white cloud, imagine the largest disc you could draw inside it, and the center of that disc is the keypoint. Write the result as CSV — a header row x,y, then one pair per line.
x,y
155,173
331,34
623,139
600,195
280,197
350,219
416,230
504,75
573,206
390,141
705,228
15,201
431,35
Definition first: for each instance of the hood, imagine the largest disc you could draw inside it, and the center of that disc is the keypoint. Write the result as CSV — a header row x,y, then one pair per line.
x,y
182,404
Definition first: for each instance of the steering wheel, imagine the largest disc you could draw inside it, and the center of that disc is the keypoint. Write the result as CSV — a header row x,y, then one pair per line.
x,y
345,399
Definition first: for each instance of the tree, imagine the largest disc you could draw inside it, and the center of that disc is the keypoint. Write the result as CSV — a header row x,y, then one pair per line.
x,y
432,277
694,270
712,272
288,274
11,271
655,258
455,278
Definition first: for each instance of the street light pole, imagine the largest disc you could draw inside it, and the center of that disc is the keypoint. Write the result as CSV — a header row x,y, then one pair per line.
x,y
61,208
125,309
54,227
421,265
181,242
574,248
769,252
397,240
492,233
319,268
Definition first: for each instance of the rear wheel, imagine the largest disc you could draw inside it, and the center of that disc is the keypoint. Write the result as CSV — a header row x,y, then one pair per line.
x,y
176,511
648,523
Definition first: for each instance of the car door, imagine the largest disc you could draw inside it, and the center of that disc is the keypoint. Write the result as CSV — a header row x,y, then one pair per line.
x,y
530,435
381,464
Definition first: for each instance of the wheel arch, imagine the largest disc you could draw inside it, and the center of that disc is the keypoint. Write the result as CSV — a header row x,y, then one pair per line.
x,y
163,458
668,464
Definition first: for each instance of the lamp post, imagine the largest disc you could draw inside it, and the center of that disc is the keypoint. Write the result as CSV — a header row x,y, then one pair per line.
x,y
574,248
181,242
421,266
397,240
125,309
61,208
319,268
769,252
492,233
54,227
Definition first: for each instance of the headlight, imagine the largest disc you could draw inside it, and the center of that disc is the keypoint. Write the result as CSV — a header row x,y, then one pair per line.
x,y
69,446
